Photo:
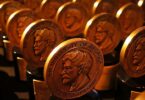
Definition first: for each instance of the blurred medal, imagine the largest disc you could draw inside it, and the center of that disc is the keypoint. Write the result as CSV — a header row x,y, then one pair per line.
x,y
105,31
131,17
16,24
72,17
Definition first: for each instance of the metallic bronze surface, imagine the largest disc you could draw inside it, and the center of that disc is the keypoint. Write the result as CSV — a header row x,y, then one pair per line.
x,y
6,9
16,24
131,17
41,90
132,56
140,3
37,41
107,6
104,30
108,79
87,3
8,50
73,68
72,17
33,4
134,95
49,8
141,96
1,1
22,67
123,2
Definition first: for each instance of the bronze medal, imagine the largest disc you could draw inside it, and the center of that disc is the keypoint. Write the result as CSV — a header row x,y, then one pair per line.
x,y
49,8
37,41
16,24
130,17
73,68
72,17
132,54
105,31
6,9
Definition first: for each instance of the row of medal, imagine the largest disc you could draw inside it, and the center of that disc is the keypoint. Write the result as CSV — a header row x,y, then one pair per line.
x,y
74,40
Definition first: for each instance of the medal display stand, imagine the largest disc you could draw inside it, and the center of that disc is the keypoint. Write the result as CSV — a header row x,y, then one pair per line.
x,y
35,82
22,64
129,87
41,90
34,86
141,96
8,50
107,85
1,43
134,94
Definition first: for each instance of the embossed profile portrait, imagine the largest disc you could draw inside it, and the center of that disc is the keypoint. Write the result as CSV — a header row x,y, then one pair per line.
x,y
22,23
104,35
139,55
76,68
44,41
72,20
